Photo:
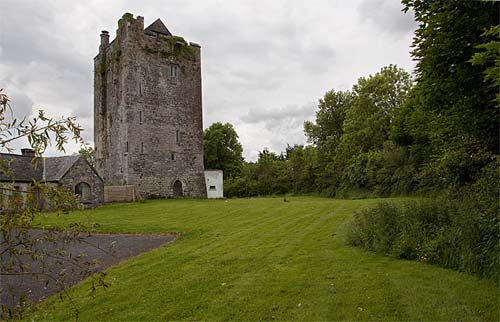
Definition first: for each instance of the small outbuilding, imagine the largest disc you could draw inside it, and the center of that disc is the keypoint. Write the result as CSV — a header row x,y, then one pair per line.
x,y
214,180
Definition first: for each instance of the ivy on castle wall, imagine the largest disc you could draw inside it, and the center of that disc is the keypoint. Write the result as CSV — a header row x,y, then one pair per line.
x,y
174,47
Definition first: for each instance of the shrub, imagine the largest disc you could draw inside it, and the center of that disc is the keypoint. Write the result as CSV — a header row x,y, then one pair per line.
x,y
459,231
240,187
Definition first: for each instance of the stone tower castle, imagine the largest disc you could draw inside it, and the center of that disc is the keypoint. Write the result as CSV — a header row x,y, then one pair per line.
x,y
148,129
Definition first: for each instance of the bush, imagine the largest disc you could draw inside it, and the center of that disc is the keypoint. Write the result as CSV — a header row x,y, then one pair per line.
x,y
240,187
383,172
460,231
389,171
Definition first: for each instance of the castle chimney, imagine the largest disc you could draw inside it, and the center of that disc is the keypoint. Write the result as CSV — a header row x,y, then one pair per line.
x,y
104,39
28,152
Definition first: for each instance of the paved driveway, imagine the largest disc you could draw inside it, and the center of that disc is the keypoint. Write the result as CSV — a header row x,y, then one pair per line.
x,y
111,250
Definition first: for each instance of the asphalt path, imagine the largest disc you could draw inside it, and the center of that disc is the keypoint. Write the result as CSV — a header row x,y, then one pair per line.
x,y
107,249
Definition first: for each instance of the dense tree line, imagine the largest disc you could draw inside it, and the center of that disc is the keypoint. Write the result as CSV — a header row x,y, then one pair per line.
x,y
394,134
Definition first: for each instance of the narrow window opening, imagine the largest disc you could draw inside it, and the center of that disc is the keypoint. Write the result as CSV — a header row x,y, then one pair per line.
x,y
142,147
212,188
174,71
177,136
140,88
140,117
126,146
172,156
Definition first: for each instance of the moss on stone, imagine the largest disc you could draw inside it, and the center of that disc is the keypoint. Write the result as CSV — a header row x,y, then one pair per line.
x,y
115,55
179,48
175,47
126,17
100,68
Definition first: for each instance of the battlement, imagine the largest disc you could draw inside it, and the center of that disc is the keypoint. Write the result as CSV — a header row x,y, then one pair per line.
x,y
155,39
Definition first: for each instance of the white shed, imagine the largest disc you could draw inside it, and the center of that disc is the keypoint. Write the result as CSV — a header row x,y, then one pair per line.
x,y
214,182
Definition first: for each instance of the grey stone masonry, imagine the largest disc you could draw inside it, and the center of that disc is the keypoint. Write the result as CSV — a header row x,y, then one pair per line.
x,y
148,128
82,172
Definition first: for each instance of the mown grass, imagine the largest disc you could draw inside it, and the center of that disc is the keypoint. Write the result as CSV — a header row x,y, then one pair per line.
x,y
264,259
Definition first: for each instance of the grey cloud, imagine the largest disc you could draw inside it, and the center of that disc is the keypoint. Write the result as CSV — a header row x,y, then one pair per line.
x,y
284,114
20,103
255,54
280,126
37,37
387,15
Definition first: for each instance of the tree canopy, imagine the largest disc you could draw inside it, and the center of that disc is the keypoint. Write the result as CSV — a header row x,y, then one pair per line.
x,y
222,150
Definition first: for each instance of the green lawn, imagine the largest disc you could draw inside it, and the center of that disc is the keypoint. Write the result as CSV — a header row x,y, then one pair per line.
x,y
264,259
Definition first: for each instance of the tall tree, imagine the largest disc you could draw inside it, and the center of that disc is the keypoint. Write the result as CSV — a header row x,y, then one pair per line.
x,y
302,167
489,56
369,118
325,133
328,126
453,100
222,150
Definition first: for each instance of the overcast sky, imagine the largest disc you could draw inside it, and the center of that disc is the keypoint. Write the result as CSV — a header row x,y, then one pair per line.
x,y
265,63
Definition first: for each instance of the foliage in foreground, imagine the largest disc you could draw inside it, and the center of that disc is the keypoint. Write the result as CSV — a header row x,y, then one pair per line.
x,y
25,252
460,232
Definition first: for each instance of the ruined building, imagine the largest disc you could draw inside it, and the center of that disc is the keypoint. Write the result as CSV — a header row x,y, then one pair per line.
x,y
148,129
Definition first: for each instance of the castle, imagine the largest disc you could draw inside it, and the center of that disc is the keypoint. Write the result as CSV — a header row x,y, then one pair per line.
x,y
148,129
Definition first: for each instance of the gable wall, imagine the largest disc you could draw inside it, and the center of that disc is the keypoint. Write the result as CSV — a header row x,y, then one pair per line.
x,y
82,172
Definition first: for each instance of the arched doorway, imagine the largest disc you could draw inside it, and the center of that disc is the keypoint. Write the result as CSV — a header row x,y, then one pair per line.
x,y
83,191
178,189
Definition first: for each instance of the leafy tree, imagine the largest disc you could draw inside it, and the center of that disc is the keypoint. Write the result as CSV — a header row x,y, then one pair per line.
x,y
449,126
292,171
88,153
19,209
452,99
368,120
325,134
490,57
368,123
271,173
301,163
222,150
329,123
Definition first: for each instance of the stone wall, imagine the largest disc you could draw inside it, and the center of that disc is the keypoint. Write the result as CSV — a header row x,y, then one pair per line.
x,y
148,112
13,193
81,171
